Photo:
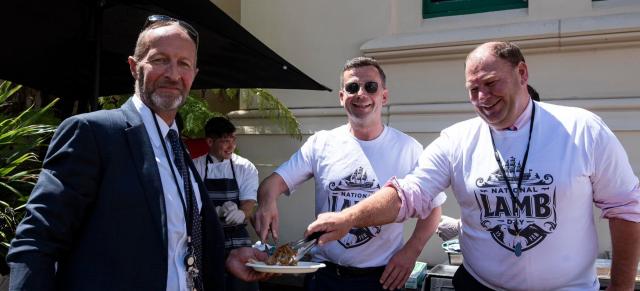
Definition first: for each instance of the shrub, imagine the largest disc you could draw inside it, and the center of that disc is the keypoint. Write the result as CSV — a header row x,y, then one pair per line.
x,y
22,135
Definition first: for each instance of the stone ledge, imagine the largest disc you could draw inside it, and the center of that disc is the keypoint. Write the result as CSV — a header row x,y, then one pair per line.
x,y
620,114
580,33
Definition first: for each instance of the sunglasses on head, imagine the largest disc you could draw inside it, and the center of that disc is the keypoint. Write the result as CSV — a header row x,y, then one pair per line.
x,y
353,87
192,32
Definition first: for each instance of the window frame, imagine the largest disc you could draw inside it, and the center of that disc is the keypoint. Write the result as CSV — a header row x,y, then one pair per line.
x,y
461,7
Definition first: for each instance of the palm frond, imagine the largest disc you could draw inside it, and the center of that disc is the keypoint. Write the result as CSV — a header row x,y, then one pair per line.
x,y
194,115
21,136
276,111
6,91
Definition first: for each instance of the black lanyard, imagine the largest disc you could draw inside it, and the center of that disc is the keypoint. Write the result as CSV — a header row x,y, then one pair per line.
x,y
186,210
524,164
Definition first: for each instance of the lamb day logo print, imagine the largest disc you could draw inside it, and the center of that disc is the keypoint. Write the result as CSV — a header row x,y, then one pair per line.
x,y
534,209
348,191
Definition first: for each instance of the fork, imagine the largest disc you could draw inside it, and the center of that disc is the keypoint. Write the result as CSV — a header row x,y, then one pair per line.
x,y
302,246
274,243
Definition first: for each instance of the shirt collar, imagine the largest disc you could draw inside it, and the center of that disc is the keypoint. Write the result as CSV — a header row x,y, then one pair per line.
x,y
213,160
522,120
147,119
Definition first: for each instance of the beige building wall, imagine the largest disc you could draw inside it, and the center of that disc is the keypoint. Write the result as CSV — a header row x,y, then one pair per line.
x,y
579,52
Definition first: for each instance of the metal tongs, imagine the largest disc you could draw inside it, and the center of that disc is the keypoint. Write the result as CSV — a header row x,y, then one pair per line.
x,y
302,246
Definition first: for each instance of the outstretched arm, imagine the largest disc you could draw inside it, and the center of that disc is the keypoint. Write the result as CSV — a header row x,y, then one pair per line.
x,y
267,213
399,268
237,259
625,241
380,208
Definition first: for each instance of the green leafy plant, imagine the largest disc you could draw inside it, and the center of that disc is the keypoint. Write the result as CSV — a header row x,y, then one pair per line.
x,y
194,116
10,217
22,135
273,109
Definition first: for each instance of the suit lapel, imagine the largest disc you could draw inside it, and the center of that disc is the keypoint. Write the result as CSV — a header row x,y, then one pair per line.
x,y
145,163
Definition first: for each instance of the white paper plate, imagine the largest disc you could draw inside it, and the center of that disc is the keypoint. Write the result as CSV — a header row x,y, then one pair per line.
x,y
302,267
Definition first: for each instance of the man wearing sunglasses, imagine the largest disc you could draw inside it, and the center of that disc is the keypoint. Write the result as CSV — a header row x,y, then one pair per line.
x,y
526,175
119,205
349,163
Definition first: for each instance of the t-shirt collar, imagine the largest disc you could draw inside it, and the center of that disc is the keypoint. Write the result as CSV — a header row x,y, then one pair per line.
x,y
211,159
522,120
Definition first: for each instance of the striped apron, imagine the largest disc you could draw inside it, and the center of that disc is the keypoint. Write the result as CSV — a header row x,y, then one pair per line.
x,y
219,192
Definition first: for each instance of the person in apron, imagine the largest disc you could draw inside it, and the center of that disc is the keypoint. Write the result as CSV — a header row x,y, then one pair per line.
x,y
232,183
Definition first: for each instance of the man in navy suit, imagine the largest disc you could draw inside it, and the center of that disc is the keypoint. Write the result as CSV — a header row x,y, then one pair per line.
x,y
108,211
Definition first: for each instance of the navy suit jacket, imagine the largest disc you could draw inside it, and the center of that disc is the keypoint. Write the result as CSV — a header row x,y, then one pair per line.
x,y
96,218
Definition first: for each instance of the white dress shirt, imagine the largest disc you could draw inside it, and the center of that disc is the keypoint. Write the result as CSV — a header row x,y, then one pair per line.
x,y
176,226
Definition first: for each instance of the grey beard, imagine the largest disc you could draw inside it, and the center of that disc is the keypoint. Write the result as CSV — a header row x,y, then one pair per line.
x,y
155,101
164,103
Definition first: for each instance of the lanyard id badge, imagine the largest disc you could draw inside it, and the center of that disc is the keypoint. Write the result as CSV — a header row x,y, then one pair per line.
x,y
517,249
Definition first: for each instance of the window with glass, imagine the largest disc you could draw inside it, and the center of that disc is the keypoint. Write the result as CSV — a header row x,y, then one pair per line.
x,y
438,8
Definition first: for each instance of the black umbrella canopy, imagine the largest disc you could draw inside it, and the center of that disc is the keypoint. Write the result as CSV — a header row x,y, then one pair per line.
x,y
51,46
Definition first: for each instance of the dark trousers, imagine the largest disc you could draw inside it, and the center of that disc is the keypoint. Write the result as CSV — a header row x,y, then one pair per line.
x,y
463,281
234,284
338,278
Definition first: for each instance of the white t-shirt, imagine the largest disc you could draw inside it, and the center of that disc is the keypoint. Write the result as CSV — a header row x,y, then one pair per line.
x,y
347,170
246,173
574,161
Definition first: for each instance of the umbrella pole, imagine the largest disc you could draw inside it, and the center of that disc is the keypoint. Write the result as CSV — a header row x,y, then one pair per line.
x,y
97,34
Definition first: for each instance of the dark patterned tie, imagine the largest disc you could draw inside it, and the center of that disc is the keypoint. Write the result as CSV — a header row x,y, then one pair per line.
x,y
196,225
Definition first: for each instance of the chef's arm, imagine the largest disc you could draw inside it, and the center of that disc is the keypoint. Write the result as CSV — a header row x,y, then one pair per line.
x,y
247,206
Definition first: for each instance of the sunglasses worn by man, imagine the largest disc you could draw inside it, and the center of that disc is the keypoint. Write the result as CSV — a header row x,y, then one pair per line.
x,y
192,32
370,87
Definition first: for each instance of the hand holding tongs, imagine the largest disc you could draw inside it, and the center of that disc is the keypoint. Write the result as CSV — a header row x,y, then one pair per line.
x,y
302,246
